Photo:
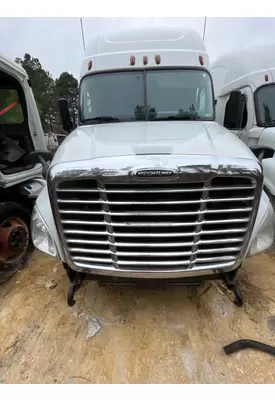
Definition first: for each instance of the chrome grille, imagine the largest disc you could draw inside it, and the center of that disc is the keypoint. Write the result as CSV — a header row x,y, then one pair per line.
x,y
156,226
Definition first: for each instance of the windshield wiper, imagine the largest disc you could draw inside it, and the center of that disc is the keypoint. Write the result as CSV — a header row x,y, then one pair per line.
x,y
103,118
177,117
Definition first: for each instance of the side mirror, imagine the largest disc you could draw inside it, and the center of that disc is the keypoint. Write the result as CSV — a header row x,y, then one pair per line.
x,y
65,115
42,157
234,110
262,152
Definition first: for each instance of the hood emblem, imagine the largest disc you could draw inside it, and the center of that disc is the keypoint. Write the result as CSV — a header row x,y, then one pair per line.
x,y
154,173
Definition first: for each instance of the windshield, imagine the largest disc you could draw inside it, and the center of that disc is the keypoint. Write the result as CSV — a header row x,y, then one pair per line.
x,y
146,95
265,105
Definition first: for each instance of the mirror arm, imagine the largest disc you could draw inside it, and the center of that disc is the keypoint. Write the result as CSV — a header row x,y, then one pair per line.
x,y
45,166
262,152
261,156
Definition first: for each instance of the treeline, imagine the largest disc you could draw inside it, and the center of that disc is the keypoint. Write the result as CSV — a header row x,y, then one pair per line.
x,y
47,91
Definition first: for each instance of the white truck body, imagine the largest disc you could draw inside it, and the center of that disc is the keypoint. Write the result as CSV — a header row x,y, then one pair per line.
x,y
162,193
250,71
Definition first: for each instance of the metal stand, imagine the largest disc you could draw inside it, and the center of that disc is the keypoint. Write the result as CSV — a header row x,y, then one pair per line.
x,y
231,288
76,279
75,285
238,295
226,283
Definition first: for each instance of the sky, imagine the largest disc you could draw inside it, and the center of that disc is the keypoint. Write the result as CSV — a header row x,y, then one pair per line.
x,y
57,42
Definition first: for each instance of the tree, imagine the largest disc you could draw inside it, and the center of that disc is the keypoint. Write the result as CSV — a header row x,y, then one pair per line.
x,y
47,91
140,113
66,86
13,115
43,87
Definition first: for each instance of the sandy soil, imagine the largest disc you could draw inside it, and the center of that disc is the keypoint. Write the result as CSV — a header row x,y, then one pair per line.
x,y
161,336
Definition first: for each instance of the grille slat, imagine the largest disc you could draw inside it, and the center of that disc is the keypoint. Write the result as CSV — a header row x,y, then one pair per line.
x,y
153,190
167,225
149,224
139,263
83,241
173,234
148,263
94,259
218,200
123,214
156,244
152,254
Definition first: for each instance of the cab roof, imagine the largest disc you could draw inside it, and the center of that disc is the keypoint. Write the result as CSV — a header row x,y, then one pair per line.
x,y
176,46
251,63
11,66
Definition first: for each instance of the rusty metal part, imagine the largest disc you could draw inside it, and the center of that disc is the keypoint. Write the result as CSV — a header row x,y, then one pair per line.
x,y
231,291
14,239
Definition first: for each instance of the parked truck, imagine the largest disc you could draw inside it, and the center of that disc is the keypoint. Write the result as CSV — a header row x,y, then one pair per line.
x,y
244,83
21,180
149,186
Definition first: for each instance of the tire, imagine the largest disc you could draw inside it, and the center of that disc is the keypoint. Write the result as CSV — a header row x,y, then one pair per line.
x,y
16,245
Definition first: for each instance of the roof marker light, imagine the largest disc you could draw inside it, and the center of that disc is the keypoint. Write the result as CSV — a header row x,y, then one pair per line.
x,y
90,64
157,59
201,60
145,60
132,60
266,78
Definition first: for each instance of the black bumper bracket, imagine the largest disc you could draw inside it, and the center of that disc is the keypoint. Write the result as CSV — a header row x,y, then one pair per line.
x,y
75,286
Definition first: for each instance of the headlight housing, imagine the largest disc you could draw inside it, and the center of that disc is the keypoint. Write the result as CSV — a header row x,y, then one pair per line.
x,y
265,235
41,236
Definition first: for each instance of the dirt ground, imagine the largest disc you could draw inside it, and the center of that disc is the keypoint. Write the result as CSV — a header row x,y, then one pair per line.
x,y
161,336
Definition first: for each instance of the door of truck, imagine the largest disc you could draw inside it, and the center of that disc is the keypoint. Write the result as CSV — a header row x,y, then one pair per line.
x,y
239,113
20,125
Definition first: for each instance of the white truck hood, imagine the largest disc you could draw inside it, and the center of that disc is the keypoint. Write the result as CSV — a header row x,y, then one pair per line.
x,y
148,137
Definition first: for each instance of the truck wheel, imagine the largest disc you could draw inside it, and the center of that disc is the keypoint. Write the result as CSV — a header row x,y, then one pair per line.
x,y
15,239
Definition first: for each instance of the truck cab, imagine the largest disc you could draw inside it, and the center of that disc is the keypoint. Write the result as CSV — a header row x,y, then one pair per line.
x,y
244,83
21,178
149,185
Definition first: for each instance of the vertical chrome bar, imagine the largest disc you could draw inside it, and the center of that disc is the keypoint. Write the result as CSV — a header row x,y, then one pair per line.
x,y
200,219
108,221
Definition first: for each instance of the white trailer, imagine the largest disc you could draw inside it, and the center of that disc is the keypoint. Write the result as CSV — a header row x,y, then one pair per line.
x,y
244,83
